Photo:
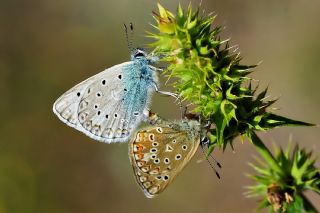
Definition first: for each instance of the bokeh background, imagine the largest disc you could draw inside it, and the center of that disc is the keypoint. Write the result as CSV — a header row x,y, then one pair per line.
x,y
48,46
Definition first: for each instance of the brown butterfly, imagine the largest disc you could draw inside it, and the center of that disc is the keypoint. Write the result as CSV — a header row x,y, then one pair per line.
x,y
159,152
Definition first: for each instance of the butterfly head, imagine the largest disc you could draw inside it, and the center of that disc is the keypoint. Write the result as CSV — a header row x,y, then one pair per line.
x,y
138,53
190,126
141,54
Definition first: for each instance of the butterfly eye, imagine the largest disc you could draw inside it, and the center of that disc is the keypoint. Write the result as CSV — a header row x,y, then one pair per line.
x,y
139,53
178,157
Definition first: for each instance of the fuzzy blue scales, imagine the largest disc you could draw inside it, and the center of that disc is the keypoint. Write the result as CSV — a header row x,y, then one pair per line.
x,y
110,105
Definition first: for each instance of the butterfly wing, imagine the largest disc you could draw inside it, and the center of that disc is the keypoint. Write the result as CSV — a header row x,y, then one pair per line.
x,y
108,106
158,154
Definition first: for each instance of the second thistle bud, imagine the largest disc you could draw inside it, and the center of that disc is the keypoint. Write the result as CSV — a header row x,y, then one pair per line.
x,y
165,20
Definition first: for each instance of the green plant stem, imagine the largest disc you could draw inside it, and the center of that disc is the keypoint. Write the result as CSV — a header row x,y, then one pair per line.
x,y
264,152
308,206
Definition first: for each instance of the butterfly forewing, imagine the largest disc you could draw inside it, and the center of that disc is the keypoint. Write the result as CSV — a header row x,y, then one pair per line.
x,y
108,106
159,153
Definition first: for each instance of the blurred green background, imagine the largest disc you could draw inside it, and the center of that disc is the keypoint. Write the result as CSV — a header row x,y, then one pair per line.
x,y
46,47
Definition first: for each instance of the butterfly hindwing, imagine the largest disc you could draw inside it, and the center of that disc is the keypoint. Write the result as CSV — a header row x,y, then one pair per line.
x,y
108,106
158,154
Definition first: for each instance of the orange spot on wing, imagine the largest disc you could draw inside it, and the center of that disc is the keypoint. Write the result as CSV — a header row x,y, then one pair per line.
x,y
141,163
155,171
138,148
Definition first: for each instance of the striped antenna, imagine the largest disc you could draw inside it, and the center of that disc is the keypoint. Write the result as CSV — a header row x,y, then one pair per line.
x,y
205,141
131,36
129,40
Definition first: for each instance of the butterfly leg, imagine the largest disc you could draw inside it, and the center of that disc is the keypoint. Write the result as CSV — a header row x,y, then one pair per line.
x,y
176,96
156,68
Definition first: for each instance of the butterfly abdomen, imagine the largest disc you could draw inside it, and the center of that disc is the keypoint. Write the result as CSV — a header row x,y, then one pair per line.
x,y
141,79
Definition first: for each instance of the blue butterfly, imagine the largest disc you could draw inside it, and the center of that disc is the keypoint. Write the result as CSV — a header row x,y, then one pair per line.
x,y
110,105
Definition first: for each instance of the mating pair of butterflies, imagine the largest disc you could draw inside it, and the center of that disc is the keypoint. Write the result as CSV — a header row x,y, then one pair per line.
x,y
110,105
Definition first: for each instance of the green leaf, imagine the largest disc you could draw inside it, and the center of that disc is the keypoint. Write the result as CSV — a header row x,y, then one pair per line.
x,y
179,11
296,206
277,120
228,110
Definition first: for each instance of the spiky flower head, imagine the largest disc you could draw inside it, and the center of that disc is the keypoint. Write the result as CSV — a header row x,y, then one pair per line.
x,y
208,74
282,190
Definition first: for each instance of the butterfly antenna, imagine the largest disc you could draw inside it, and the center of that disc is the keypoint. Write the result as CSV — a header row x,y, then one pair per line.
x,y
205,141
216,162
184,112
128,40
212,166
126,34
131,36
